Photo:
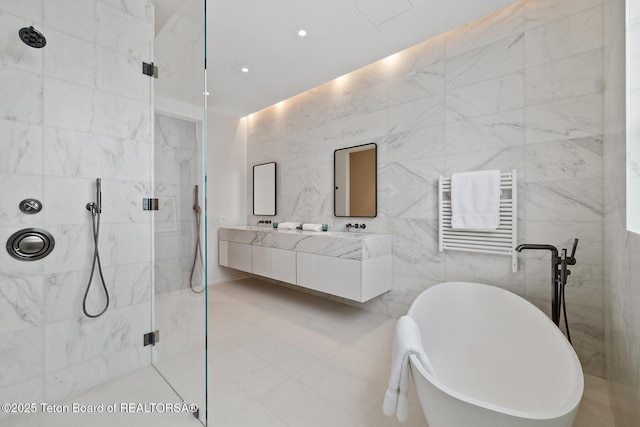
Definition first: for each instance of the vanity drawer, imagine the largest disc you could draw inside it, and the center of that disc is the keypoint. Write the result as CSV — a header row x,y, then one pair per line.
x,y
235,255
331,275
357,280
274,263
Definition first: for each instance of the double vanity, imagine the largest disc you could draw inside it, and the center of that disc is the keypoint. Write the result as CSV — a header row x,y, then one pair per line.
x,y
351,265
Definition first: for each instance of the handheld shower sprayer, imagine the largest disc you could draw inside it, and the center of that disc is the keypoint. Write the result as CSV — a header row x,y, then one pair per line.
x,y
96,210
196,201
96,207
99,195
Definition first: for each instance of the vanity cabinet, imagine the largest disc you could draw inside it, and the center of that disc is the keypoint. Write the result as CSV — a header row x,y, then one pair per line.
x,y
274,263
348,265
358,280
234,255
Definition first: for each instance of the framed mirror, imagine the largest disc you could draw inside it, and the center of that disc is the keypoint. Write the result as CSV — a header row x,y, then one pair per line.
x,y
264,189
355,181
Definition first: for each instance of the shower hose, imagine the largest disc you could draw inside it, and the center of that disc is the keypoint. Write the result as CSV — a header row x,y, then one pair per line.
x,y
95,225
198,249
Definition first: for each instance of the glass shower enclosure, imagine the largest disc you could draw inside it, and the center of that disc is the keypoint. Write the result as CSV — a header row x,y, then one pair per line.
x,y
102,172
179,242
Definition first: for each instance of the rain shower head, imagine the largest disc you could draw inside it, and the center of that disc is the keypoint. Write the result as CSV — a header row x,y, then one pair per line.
x,y
32,37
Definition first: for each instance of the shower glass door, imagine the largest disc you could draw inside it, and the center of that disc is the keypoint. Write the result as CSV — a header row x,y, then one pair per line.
x,y
179,223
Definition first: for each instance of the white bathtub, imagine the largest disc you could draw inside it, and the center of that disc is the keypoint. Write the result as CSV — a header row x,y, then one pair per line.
x,y
498,361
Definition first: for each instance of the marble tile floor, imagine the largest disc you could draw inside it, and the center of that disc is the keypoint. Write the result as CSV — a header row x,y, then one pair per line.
x,y
283,358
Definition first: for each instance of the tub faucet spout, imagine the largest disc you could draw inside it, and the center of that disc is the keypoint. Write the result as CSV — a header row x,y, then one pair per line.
x,y
555,262
553,249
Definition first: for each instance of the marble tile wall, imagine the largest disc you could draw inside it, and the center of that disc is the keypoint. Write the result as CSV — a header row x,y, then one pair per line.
x,y
622,247
76,110
521,88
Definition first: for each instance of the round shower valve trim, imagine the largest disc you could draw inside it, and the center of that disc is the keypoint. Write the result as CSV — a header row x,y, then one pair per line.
x,y
30,244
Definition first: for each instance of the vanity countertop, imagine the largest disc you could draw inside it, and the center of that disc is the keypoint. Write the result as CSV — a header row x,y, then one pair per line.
x,y
343,244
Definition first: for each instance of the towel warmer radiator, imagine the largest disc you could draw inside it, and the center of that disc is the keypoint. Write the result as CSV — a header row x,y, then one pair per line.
x,y
501,241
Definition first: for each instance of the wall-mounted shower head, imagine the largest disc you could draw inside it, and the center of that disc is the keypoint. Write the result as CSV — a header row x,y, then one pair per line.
x,y
32,37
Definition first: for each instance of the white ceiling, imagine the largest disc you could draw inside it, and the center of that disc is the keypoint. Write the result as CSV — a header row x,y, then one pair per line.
x,y
343,35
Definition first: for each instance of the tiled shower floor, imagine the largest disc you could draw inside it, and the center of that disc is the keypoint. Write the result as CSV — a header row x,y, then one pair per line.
x,y
283,358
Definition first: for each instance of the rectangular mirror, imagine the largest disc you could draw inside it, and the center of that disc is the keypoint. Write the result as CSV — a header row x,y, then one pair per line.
x,y
264,189
355,181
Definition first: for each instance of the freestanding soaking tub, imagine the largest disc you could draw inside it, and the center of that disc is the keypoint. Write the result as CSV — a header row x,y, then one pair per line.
x,y
498,361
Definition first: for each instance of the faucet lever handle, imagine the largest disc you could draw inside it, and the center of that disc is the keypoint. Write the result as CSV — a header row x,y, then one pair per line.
x,y
571,260
575,246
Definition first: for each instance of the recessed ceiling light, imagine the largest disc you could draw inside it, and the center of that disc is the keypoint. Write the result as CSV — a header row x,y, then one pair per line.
x,y
302,33
245,70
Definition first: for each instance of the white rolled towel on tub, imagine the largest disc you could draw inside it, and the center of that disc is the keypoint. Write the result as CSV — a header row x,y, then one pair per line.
x,y
312,227
406,341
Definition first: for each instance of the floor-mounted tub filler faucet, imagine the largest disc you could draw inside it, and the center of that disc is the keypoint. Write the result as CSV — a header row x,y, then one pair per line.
x,y
559,274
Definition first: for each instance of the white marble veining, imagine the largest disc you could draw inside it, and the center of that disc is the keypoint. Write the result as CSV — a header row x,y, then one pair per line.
x,y
491,28
24,8
485,98
498,58
124,33
350,245
564,119
22,356
418,143
117,116
558,79
426,112
575,33
417,84
21,147
95,155
21,93
569,159
80,339
21,301
499,130
571,200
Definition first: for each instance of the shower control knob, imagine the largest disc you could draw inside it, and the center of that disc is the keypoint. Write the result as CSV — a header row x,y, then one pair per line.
x,y
30,206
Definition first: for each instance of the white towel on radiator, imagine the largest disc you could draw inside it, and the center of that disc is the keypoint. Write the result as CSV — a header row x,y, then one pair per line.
x,y
475,200
407,341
